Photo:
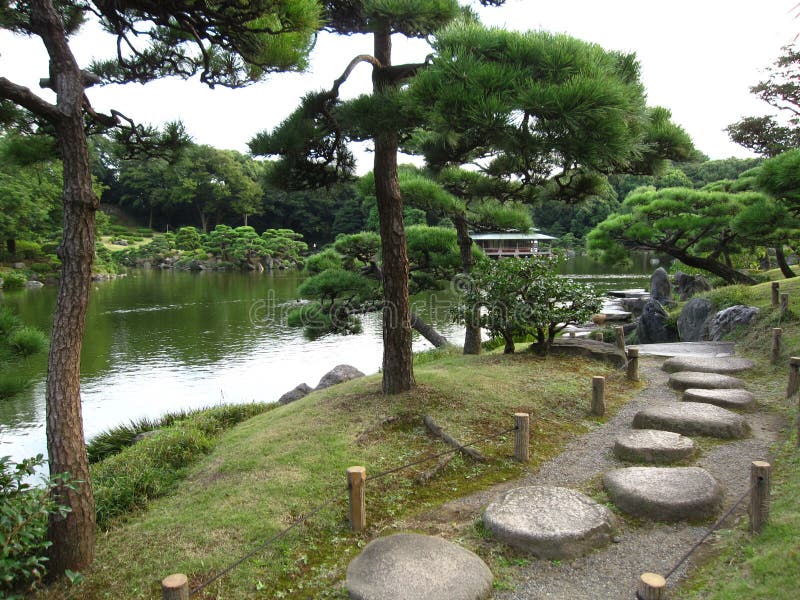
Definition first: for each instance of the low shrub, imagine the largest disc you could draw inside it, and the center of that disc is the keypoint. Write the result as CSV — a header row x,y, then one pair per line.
x,y
8,320
41,268
28,249
14,281
24,511
27,340
731,295
11,385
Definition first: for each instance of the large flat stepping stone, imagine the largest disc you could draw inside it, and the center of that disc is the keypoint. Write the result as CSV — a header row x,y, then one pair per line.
x,y
409,566
724,398
707,364
550,522
683,380
692,418
664,493
653,446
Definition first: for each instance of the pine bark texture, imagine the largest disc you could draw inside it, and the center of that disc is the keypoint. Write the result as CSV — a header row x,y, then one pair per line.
x,y
472,334
780,258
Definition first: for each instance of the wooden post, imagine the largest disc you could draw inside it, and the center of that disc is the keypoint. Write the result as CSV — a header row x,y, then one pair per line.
x,y
784,304
776,290
598,395
356,476
175,587
633,364
572,334
651,587
522,439
598,335
760,481
776,345
794,376
620,334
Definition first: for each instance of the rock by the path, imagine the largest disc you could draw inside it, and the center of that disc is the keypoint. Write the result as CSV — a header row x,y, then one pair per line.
x,y
409,566
34,285
729,319
660,287
653,446
724,398
687,285
652,327
664,493
692,418
683,380
339,374
694,320
301,391
550,522
707,364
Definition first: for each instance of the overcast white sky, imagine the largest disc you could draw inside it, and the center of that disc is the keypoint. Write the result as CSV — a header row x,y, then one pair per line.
x,y
698,59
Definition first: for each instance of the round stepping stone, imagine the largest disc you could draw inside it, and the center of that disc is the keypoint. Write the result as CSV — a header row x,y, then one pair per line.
x,y
664,493
692,418
550,522
683,380
707,364
653,446
409,566
724,398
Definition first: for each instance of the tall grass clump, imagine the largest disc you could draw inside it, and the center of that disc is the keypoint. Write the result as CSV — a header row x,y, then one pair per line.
x,y
14,281
731,295
11,385
27,341
8,321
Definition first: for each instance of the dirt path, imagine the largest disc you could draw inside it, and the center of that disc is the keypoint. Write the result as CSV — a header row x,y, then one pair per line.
x,y
611,573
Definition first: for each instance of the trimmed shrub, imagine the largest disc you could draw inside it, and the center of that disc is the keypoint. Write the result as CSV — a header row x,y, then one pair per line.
x,y
28,249
27,341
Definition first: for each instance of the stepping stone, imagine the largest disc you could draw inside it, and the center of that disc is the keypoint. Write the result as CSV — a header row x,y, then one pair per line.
x,y
409,566
724,398
550,522
692,418
664,493
683,380
706,364
653,446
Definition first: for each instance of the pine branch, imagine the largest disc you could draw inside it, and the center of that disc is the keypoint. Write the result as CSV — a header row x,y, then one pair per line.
x,y
23,96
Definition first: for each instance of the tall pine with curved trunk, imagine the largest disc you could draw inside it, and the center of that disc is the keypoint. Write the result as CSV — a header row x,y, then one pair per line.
x,y
177,38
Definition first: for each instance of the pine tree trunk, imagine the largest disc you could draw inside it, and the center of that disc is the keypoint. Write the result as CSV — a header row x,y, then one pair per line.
x,y
72,536
728,274
398,372
780,258
472,334
11,246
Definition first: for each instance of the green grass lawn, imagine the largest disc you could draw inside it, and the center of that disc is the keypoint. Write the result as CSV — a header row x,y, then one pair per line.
x,y
275,467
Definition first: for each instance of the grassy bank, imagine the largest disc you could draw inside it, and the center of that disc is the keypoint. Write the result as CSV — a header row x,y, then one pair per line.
x,y
764,566
279,465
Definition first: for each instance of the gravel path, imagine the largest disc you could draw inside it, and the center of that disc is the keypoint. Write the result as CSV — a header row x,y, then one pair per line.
x,y
611,573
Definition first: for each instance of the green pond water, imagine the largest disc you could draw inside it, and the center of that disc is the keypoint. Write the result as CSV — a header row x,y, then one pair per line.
x,y
160,341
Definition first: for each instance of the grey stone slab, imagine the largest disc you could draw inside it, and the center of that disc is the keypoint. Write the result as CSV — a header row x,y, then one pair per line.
x,y
692,418
409,566
724,398
687,349
683,380
653,446
550,522
707,364
664,493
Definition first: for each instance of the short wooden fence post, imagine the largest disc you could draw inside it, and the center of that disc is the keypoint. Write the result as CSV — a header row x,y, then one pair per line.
x,y
572,334
598,395
356,477
619,331
652,586
776,345
784,304
175,587
522,439
776,290
760,482
633,364
794,376
598,335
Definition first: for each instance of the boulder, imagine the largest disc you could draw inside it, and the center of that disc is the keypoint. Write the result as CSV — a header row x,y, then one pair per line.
x,y
550,522
339,374
653,446
18,265
33,284
119,242
707,364
694,320
664,493
301,391
409,566
692,418
660,288
687,286
729,319
652,326
683,380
